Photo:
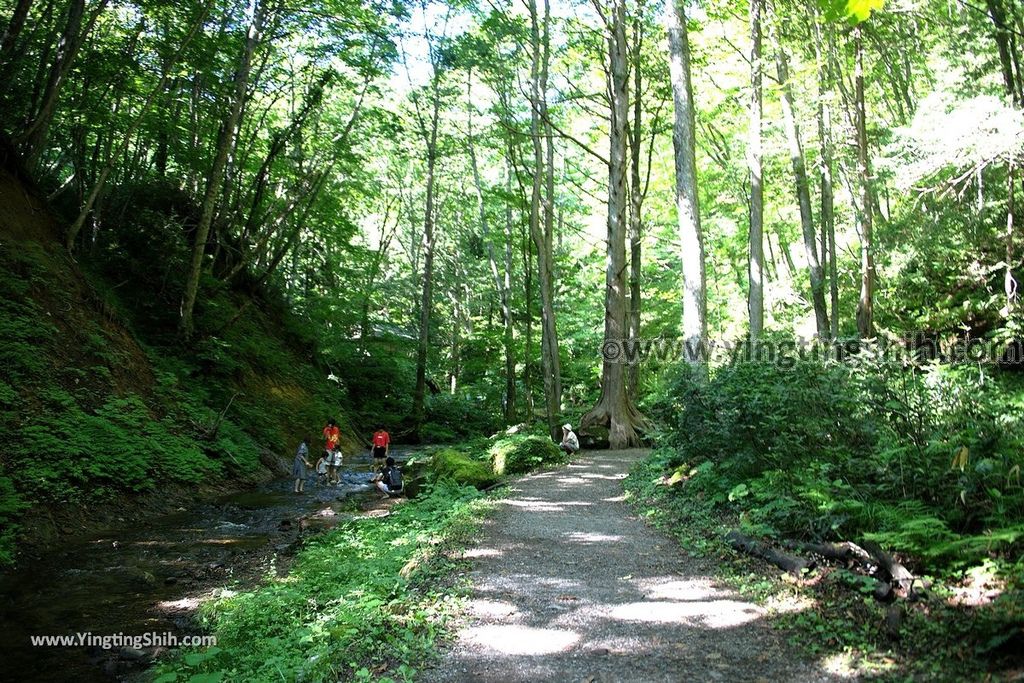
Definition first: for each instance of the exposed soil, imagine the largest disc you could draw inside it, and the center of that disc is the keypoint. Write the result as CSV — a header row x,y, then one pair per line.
x,y
569,585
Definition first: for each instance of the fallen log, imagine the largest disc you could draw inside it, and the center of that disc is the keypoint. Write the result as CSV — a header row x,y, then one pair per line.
x,y
744,544
845,553
899,577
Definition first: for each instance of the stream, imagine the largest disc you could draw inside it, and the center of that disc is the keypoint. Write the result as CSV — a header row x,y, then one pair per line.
x,y
150,578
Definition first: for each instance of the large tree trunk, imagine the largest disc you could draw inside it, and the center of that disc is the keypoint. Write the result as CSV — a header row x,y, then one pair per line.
x,y
615,408
803,193
755,267
866,302
687,206
541,224
528,336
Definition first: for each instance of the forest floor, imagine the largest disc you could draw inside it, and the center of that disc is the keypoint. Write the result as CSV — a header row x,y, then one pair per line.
x,y
569,584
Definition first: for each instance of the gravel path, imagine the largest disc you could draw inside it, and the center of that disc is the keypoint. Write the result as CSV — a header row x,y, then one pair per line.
x,y
569,585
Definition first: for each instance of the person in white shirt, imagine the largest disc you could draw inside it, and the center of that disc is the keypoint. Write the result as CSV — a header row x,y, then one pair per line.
x,y
570,444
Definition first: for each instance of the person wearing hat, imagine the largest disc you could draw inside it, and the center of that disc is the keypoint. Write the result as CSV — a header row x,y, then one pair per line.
x,y
570,444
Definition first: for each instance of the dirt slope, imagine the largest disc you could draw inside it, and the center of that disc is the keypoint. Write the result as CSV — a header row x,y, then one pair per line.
x,y
568,585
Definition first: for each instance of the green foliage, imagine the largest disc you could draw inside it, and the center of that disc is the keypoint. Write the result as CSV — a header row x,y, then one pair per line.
x,y
457,416
519,453
924,460
371,594
838,617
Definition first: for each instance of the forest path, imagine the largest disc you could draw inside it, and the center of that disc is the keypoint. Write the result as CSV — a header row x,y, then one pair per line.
x,y
570,585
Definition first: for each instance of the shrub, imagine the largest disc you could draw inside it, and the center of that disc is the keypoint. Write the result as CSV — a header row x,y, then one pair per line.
x,y
456,466
923,459
518,454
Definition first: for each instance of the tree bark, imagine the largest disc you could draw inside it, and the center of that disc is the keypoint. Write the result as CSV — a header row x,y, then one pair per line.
x,y
687,206
1010,284
506,310
636,196
865,304
615,408
803,193
755,266
228,131
825,165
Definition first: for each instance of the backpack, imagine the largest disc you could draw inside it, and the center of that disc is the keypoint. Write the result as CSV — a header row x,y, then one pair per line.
x,y
394,479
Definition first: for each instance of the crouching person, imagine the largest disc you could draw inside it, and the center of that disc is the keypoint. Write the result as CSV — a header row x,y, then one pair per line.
x,y
570,444
389,479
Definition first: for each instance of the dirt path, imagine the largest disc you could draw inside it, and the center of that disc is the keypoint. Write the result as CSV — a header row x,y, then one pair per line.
x,y
569,585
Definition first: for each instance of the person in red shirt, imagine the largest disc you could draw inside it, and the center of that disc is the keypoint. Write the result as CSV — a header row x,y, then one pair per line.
x,y
332,435
381,445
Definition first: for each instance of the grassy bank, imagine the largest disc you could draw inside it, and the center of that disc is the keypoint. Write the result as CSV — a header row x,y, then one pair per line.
x,y
365,601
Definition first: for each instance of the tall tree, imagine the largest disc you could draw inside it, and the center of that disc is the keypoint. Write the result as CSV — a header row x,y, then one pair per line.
x,y
865,216
695,329
502,283
542,208
257,15
802,186
755,263
615,409
825,165
427,125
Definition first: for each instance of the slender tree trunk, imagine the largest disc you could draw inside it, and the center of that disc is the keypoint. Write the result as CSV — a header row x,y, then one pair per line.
x,y
228,131
1010,284
506,310
541,213
825,164
426,298
755,267
865,305
803,193
636,197
453,375
615,408
687,207
528,353
501,284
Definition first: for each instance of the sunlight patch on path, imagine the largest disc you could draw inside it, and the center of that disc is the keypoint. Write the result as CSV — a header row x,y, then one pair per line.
x,y
514,639
711,613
